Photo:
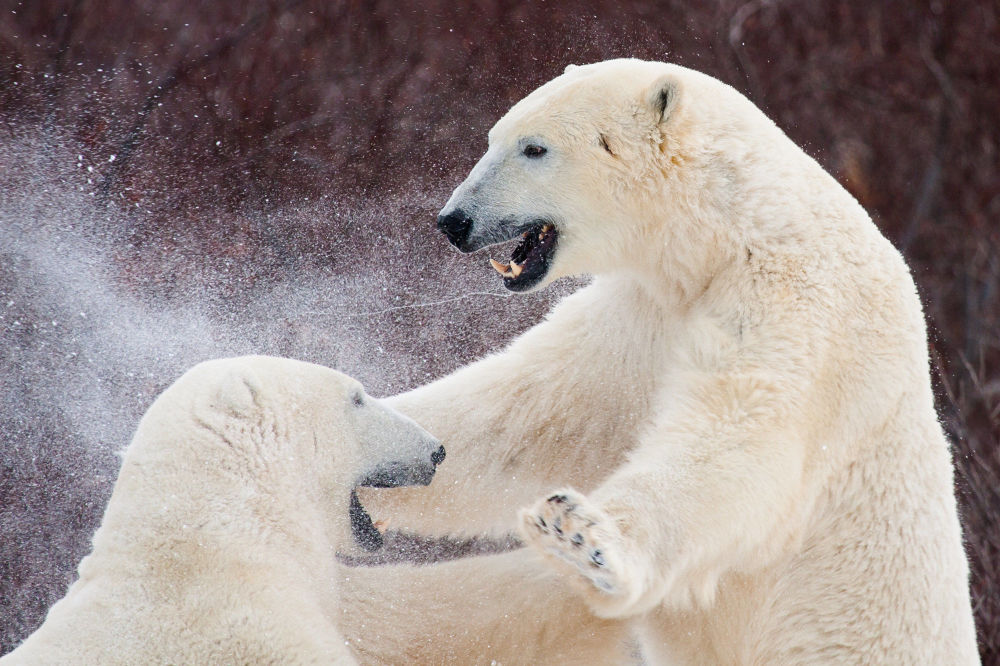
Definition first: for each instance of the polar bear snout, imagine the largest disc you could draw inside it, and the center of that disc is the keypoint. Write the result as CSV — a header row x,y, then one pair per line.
x,y
456,225
531,258
396,474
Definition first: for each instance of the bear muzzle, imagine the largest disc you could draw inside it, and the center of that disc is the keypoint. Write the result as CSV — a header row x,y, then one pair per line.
x,y
457,225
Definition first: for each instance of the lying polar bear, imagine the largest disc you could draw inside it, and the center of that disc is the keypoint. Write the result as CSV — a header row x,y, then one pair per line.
x,y
217,544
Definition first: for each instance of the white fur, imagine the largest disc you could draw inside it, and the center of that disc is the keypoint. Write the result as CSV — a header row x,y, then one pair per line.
x,y
497,609
217,544
741,397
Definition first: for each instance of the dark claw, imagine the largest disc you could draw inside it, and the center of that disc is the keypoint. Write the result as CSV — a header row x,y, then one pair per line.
x,y
558,499
541,521
597,558
577,539
557,525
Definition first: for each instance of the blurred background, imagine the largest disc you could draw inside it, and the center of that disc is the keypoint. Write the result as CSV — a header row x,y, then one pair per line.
x,y
187,179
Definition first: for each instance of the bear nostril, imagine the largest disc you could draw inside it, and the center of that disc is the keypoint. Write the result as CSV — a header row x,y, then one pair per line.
x,y
456,226
438,456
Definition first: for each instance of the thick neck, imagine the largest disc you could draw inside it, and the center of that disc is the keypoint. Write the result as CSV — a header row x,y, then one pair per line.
x,y
219,502
677,254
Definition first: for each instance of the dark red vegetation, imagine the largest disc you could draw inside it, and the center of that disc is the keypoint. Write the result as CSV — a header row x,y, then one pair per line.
x,y
270,139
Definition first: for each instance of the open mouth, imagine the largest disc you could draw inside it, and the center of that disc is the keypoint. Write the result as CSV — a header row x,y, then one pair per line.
x,y
388,475
531,258
364,531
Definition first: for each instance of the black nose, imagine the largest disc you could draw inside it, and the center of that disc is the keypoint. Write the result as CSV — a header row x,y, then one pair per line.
x,y
456,226
438,456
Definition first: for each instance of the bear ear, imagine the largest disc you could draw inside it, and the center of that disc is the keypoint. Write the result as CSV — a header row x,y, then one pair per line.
x,y
569,68
237,392
662,97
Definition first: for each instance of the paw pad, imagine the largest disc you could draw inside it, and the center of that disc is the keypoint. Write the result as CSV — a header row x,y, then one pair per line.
x,y
577,536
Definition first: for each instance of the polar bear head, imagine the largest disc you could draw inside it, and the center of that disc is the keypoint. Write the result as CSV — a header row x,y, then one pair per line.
x,y
285,431
593,168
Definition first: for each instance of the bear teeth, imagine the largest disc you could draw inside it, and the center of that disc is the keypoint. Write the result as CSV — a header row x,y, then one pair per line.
x,y
511,270
502,269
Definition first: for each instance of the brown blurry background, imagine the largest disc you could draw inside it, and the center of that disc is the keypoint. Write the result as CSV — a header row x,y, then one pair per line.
x,y
207,178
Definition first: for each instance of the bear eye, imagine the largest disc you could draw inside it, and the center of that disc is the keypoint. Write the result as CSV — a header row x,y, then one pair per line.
x,y
533,150
357,399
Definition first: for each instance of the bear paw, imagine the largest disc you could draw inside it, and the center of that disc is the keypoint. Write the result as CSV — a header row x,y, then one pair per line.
x,y
581,540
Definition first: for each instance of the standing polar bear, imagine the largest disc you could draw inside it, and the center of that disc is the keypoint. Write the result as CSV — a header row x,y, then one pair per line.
x,y
217,545
738,408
